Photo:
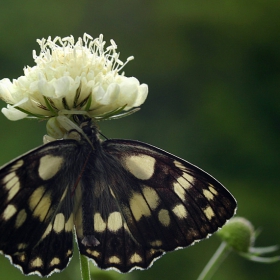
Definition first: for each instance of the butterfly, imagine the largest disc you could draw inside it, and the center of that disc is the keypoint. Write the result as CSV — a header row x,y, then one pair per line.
x,y
126,202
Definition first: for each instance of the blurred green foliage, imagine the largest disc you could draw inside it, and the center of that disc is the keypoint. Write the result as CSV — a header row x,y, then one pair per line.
x,y
213,70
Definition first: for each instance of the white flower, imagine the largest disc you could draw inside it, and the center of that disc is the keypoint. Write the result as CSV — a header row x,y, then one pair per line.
x,y
73,78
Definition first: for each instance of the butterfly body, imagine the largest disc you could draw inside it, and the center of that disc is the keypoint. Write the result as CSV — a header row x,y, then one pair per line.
x,y
127,202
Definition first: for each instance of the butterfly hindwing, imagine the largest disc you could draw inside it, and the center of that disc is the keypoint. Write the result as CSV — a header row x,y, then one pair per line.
x,y
36,222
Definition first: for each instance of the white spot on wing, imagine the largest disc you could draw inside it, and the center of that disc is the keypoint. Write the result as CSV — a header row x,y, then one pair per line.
x,y
9,180
12,184
164,218
47,231
115,221
13,191
9,212
39,203
99,224
141,166
17,165
92,253
21,246
156,243
114,259
179,191
55,261
186,184
212,190
139,206
69,224
179,165
36,262
135,258
22,257
36,197
188,177
59,223
49,166
151,197
180,211
20,219
208,194
69,253
208,211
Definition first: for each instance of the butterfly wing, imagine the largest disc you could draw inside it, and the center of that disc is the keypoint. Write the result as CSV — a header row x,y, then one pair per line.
x,y
102,232
36,205
171,202
147,202
130,203
116,247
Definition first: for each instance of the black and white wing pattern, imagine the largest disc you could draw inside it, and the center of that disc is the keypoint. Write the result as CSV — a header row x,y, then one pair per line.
x,y
127,202
36,206
157,203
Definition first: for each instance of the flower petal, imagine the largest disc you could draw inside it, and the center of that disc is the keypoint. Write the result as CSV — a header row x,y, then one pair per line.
x,y
12,113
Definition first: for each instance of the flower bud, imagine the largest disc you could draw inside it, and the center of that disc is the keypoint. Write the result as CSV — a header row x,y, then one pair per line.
x,y
238,233
54,129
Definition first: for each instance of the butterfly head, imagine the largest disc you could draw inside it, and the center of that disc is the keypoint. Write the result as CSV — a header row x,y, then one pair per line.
x,y
89,129
86,128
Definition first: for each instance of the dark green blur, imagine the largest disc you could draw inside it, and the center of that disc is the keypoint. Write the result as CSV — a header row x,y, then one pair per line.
x,y
213,70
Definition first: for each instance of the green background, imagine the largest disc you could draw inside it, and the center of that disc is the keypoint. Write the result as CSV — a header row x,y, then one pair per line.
x,y
213,70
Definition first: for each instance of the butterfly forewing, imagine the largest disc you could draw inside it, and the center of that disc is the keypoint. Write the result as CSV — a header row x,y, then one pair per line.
x,y
129,203
36,220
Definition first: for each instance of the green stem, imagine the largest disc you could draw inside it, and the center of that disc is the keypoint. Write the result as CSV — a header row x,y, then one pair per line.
x,y
214,262
84,267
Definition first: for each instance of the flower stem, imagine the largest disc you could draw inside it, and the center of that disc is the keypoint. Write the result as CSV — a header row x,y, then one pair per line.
x,y
84,267
214,262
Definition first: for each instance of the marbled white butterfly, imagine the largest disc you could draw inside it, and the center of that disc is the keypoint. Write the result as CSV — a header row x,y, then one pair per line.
x,y
127,202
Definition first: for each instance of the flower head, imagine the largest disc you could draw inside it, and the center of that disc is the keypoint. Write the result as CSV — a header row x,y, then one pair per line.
x,y
73,78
